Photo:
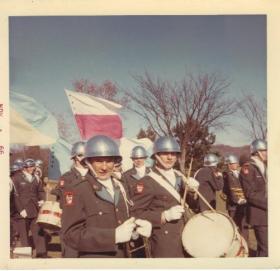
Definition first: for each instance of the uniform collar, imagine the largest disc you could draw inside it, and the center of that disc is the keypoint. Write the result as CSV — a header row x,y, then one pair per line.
x,y
101,191
178,178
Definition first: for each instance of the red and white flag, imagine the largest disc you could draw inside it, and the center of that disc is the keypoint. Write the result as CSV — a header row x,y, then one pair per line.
x,y
95,116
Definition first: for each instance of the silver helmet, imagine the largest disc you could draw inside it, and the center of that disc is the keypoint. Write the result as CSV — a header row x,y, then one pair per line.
x,y
210,160
166,144
138,152
18,161
231,159
29,163
38,163
78,149
15,167
102,146
258,145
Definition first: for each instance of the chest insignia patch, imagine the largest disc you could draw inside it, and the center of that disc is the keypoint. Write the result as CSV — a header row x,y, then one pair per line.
x,y
69,198
139,188
61,182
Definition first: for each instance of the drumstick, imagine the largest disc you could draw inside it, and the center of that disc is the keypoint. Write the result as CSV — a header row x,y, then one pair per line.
x,y
204,200
188,176
195,190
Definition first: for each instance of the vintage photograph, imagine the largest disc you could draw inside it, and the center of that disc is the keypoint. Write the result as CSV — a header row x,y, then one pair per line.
x,y
138,136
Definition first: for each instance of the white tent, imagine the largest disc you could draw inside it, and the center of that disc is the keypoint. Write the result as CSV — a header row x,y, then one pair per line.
x,y
21,132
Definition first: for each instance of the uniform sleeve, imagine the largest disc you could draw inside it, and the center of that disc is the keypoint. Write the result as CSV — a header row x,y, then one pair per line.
x,y
253,195
142,199
18,204
77,234
41,191
217,183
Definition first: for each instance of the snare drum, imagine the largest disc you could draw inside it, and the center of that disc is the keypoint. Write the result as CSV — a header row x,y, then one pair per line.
x,y
49,216
213,234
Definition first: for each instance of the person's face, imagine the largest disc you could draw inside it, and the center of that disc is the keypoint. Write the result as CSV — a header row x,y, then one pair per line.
x,y
103,166
138,162
233,166
29,170
168,158
117,168
263,155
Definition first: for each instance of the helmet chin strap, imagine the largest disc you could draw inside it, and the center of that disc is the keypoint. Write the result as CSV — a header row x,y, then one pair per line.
x,y
261,157
161,162
90,168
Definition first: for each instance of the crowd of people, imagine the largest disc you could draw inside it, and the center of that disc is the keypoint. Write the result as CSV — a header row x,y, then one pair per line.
x,y
141,212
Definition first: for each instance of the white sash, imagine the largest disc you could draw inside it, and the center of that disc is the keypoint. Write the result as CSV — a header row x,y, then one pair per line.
x,y
165,185
126,200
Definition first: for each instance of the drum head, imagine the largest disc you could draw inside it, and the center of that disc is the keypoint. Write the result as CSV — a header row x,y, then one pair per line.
x,y
208,234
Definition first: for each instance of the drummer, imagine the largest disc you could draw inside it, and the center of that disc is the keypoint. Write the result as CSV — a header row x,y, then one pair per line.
x,y
96,211
29,196
77,173
157,199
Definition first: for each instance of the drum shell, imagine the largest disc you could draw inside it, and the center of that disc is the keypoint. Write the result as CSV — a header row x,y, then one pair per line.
x,y
49,216
206,236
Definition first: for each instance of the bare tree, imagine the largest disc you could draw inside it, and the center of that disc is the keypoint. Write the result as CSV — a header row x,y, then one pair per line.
x,y
182,109
255,114
106,90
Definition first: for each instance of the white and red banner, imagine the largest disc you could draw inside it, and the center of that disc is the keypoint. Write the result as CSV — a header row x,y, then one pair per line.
x,y
95,116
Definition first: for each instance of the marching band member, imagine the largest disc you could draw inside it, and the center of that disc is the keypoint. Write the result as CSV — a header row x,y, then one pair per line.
x,y
77,173
157,198
38,168
96,209
254,181
139,169
29,196
235,202
210,180
16,168
131,177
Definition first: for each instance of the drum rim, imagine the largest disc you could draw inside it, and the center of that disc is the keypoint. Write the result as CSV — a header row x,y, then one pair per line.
x,y
221,213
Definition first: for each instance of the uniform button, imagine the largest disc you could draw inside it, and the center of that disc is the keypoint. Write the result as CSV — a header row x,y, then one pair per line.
x,y
165,232
100,213
119,221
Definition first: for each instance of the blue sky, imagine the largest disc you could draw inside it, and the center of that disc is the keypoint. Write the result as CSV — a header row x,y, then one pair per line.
x,y
48,53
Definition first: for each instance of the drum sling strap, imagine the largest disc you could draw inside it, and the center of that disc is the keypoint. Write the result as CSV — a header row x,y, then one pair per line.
x,y
165,185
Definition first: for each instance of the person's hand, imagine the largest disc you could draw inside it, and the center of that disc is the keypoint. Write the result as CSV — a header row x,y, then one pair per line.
x,y
144,227
40,202
218,174
173,213
192,183
124,231
241,201
23,213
